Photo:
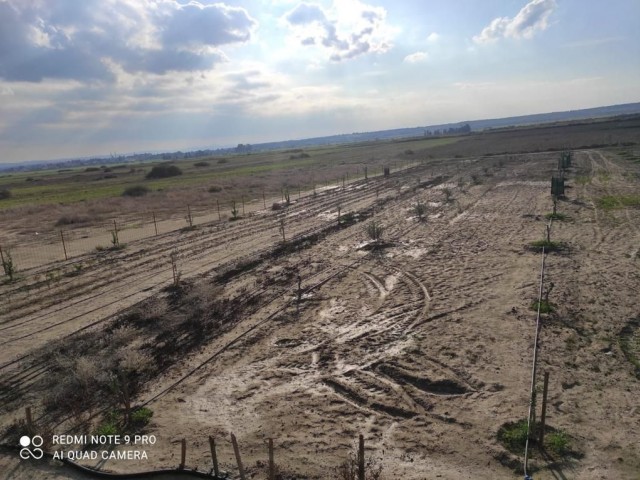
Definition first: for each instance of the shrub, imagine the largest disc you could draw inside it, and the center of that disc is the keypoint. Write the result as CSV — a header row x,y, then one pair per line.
x,y
108,427
8,265
215,189
141,417
558,442
420,209
223,160
164,171
374,230
513,435
135,191
72,220
548,245
201,164
5,194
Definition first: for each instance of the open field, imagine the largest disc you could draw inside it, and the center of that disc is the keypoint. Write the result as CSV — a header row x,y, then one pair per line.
x,y
423,343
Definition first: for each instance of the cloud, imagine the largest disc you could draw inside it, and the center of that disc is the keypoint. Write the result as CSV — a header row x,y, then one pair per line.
x,y
533,17
433,37
416,57
349,29
84,39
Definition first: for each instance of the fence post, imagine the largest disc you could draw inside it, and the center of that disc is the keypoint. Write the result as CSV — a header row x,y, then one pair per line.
x,y
1,255
155,224
214,457
272,465
218,204
183,455
236,451
264,200
361,458
543,415
243,205
64,247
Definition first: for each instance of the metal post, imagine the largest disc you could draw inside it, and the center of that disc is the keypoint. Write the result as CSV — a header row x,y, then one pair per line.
x,y
272,465
543,415
214,457
361,458
184,454
64,247
236,451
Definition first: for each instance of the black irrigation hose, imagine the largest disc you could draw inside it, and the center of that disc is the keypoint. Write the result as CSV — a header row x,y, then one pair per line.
x,y
146,474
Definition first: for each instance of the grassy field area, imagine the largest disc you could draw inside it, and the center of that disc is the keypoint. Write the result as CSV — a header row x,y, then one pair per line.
x,y
65,186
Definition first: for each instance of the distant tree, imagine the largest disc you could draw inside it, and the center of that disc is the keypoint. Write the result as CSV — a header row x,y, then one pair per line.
x,y
5,194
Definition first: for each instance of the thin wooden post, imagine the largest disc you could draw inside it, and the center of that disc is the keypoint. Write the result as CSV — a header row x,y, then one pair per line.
x,y
64,247
236,451
116,240
183,455
543,415
214,457
27,412
243,205
155,224
361,458
1,255
272,465
264,200
218,204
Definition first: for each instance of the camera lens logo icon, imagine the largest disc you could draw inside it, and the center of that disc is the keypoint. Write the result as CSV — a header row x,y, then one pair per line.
x,y
36,442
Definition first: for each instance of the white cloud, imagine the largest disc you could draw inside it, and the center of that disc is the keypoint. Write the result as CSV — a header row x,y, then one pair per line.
x,y
82,40
416,57
347,30
433,37
533,17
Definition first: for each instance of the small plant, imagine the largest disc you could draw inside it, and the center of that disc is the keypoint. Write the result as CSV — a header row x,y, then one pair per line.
x,y
420,210
448,195
374,231
544,305
558,442
513,435
8,265
281,228
348,470
140,417
5,194
234,211
108,427
548,245
556,216
174,268
115,241
475,179
286,195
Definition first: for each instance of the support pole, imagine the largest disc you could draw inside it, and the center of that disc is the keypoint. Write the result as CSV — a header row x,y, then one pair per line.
x,y
64,247
361,458
272,465
155,224
1,255
214,457
218,204
543,415
115,232
243,205
236,451
183,455
27,413
264,200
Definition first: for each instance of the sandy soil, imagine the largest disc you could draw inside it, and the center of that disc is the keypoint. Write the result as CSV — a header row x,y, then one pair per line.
x,y
424,347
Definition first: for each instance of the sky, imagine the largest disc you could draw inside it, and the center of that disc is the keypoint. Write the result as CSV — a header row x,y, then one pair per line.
x,y
100,77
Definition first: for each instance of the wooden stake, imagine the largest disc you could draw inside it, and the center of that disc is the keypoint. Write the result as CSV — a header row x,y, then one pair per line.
x,y
272,465
264,200
184,455
1,255
543,415
64,247
27,412
214,457
115,231
243,205
155,224
236,451
361,458
218,204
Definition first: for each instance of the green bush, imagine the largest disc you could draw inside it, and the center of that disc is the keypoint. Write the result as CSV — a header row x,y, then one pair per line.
x,y
558,442
5,194
164,171
545,306
108,427
135,191
513,435
141,416
201,164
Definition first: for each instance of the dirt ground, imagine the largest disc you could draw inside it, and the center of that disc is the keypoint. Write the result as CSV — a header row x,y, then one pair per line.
x,y
423,346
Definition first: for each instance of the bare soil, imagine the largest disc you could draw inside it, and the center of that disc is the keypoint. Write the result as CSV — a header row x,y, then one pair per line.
x,y
423,345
